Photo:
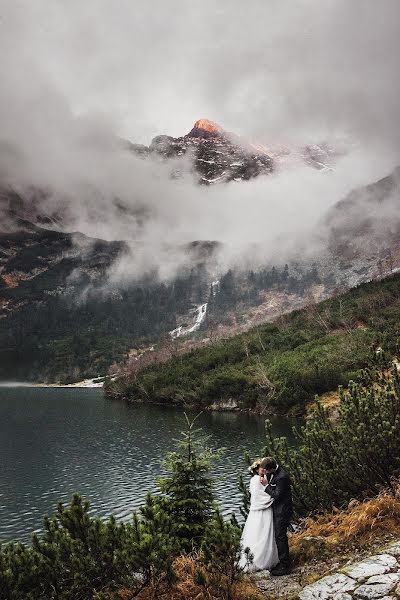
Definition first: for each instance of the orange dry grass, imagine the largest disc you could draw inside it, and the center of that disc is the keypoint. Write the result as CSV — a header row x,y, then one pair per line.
x,y
187,588
359,524
186,569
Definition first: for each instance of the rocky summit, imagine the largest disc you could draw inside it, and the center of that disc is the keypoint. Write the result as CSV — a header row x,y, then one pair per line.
x,y
206,128
220,156
217,155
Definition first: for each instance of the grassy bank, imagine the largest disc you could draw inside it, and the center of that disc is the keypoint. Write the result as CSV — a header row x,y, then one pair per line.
x,y
357,528
279,366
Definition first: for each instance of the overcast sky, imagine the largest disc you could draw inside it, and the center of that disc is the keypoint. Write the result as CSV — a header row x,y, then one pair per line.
x,y
263,67
75,74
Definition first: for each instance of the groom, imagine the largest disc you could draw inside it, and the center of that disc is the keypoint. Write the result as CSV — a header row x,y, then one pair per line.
x,y
278,486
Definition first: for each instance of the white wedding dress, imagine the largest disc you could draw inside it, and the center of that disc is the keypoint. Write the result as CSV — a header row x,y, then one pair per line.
x,y
258,533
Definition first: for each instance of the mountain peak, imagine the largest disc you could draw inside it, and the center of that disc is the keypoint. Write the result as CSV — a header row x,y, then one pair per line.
x,y
209,126
205,128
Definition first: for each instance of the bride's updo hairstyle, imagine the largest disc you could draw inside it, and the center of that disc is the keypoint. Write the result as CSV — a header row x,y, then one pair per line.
x,y
253,469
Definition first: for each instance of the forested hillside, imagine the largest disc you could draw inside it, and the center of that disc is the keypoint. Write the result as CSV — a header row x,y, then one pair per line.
x,y
279,366
63,319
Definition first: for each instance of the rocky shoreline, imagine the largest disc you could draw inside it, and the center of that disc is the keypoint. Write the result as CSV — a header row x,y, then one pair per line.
x,y
96,382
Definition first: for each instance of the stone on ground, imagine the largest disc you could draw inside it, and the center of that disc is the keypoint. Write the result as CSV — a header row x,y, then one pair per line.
x,y
374,578
374,565
328,587
377,587
393,549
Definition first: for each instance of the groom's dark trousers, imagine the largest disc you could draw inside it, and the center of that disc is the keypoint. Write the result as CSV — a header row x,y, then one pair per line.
x,y
280,489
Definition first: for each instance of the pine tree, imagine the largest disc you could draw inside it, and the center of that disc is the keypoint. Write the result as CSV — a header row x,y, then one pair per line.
x,y
333,462
154,545
188,488
285,274
78,556
79,551
221,554
244,491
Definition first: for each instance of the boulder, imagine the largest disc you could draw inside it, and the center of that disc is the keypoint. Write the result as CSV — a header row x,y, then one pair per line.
x,y
376,587
393,549
374,565
331,586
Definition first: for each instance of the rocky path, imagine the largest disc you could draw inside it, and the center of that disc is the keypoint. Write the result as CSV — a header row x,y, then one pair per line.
x,y
373,578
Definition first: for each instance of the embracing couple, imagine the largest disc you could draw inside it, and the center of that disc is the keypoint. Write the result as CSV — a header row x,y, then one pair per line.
x,y
265,531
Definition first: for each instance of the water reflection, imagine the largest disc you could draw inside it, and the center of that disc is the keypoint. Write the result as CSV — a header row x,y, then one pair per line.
x,y
54,442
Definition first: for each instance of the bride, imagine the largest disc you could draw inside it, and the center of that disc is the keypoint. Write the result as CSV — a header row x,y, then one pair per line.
x,y
258,536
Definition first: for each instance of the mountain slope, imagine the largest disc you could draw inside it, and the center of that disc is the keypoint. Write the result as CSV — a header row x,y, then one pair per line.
x,y
63,317
368,219
62,320
276,367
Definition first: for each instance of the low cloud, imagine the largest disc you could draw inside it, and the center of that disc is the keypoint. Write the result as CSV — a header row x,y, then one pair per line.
x,y
76,78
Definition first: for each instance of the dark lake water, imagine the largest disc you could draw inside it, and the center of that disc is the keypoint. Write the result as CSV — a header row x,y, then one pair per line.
x,y
55,441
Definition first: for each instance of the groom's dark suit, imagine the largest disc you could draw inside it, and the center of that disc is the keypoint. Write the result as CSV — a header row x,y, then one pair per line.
x,y
279,488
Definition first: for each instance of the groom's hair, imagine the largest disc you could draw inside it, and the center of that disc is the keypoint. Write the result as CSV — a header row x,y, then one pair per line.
x,y
269,463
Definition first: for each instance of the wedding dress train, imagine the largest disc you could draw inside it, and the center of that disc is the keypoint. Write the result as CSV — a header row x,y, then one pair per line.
x,y
258,533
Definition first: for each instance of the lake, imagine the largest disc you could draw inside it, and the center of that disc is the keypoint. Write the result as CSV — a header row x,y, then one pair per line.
x,y
56,441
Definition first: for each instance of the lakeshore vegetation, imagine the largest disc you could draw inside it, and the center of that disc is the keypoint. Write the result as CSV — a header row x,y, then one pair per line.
x,y
178,546
277,367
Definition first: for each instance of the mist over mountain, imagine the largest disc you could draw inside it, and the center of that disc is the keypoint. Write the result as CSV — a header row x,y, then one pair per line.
x,y
144,152
283,76
70,296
